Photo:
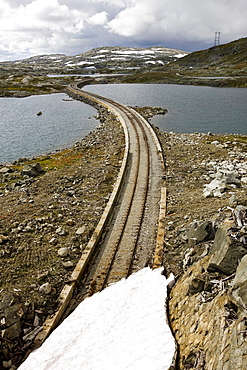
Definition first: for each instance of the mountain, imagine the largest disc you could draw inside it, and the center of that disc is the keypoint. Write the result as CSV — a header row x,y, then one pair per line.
x,y
99,60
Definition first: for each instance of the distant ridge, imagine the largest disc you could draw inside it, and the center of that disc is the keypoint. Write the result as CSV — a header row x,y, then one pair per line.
x,y
219,66
98,60
233,54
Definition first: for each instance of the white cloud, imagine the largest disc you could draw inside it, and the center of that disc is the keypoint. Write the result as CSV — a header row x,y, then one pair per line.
x,y
98,19
188,20
30,27
43,26
133,21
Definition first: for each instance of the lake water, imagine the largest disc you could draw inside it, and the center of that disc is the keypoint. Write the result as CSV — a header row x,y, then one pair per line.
x,y
24,134
190,108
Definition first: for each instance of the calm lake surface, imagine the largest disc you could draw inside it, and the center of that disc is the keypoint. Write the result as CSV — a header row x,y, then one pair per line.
x,y
24,134
62,123
190,108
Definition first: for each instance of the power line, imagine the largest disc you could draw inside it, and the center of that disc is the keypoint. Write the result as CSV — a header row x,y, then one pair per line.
x,y
217,38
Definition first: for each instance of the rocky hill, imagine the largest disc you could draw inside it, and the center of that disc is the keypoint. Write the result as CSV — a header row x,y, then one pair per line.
x,y
219,66
100,60
231,55
51,73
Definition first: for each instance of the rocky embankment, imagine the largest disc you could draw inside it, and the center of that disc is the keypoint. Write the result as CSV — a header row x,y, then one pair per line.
x,y
50,207
49,211
206,248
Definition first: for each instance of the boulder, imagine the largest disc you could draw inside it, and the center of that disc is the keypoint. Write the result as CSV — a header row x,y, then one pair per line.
x,y
32,171
12,332
199,232
219,184
239,286
12,312
226,250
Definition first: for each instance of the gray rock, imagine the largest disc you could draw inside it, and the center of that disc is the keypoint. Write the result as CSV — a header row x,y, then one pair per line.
x,y
214,189
3,239
13,314
226,251
8,300
199,232
239,287
63,252
80,230
219,184
32,171
192,242
5,170
7,364
233,200
70,222
45,288
60,231
12,311
215,142
67,264
196,285
12,332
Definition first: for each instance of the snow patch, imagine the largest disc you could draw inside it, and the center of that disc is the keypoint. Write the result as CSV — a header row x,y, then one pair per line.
x,y
181,55
98,56
142,52
123,327
119,58
71,64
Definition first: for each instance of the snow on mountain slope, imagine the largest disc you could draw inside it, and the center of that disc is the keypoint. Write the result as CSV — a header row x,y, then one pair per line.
x,y
103,59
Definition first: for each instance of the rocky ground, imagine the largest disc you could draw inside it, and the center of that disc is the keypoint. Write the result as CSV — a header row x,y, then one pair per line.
x,y
49,211
193,161
206,248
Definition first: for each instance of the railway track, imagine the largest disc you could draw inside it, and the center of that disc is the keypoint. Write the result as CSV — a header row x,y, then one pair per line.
x,y
130,231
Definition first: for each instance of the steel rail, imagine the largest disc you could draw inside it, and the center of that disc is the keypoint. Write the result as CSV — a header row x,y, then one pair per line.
x,y
134,125
119,250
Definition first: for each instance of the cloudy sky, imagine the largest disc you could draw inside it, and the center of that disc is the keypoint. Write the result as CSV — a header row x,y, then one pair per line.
x,y
31,27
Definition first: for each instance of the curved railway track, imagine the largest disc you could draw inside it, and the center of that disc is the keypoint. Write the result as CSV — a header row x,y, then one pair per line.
x,y
131,229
